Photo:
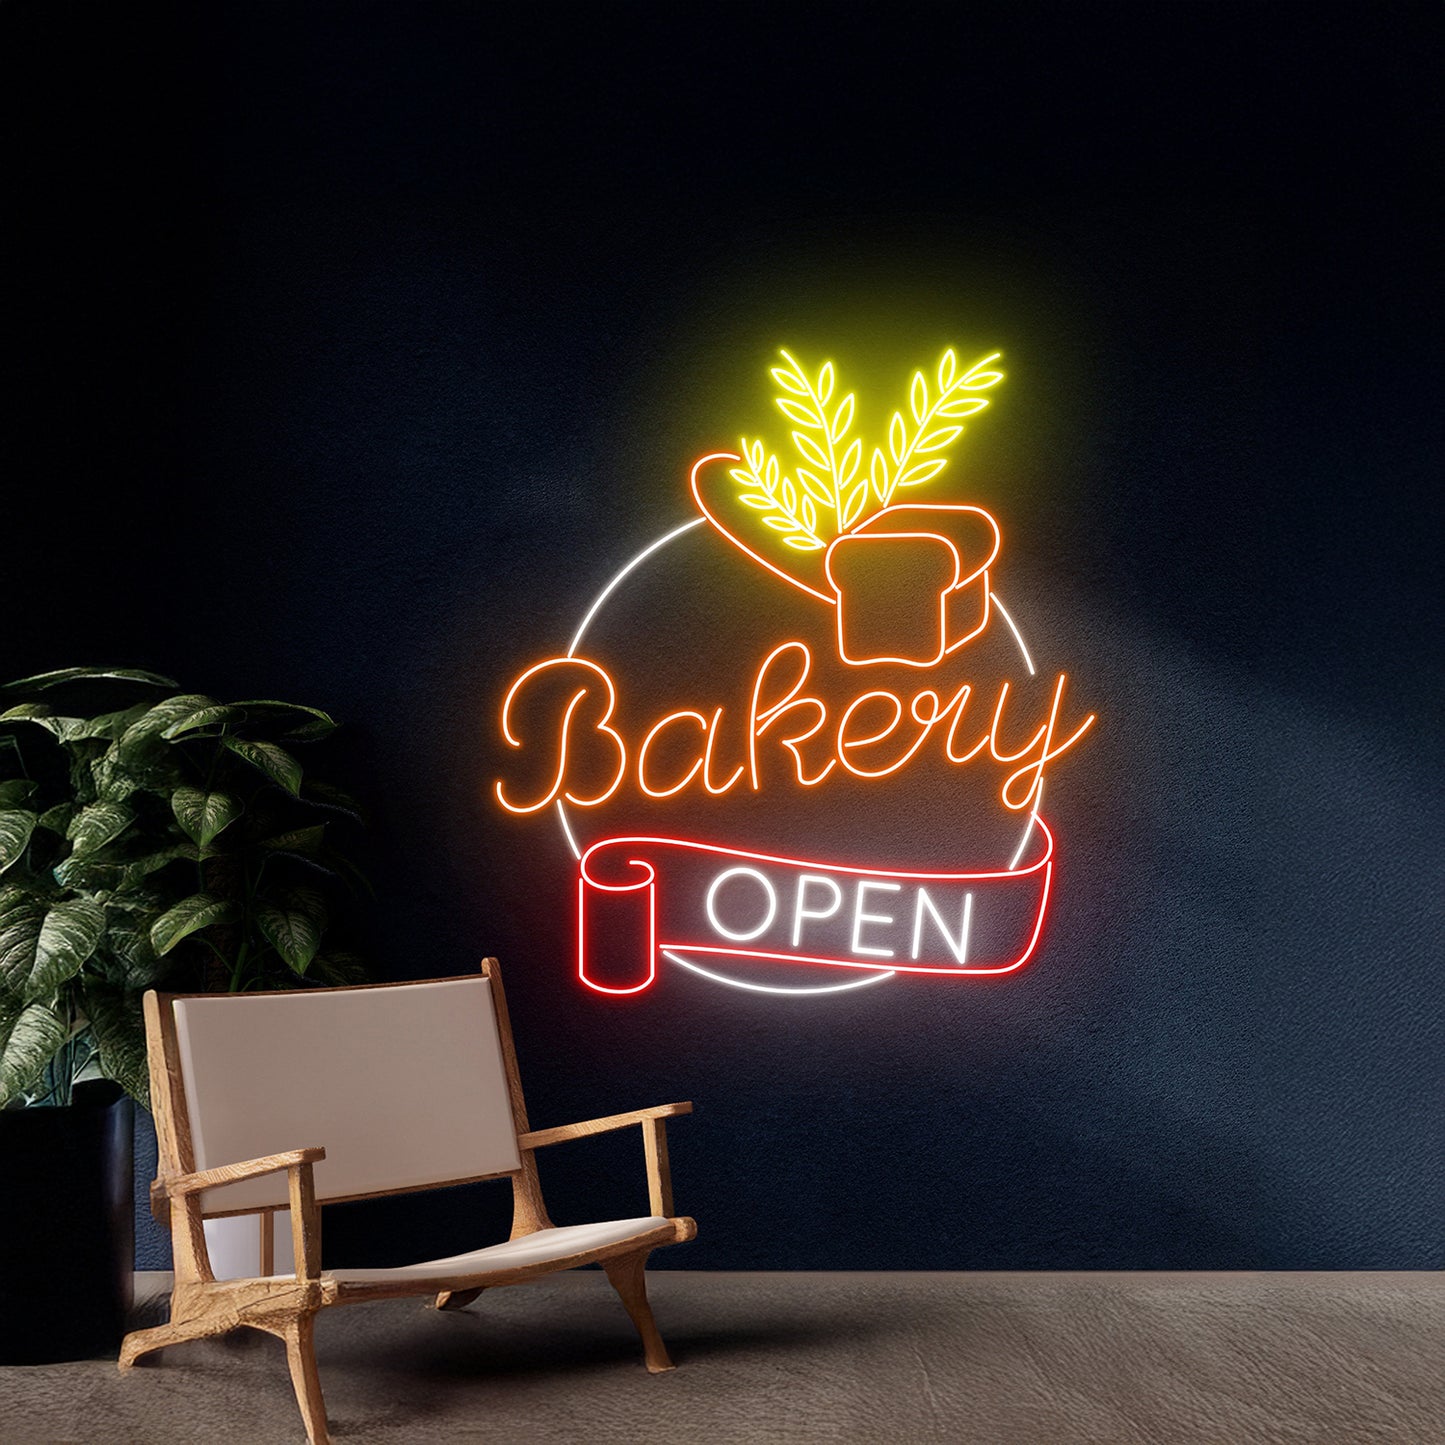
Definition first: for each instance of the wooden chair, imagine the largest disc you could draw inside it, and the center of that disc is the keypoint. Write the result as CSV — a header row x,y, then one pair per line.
x,y
284,1101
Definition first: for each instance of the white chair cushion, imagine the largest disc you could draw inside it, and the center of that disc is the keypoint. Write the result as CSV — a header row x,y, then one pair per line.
x,y
538,1248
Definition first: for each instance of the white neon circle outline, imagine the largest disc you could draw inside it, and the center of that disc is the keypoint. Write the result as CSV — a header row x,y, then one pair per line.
x,y
883,974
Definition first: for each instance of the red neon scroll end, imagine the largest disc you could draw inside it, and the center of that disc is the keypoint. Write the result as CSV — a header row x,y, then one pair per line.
x,y
625,915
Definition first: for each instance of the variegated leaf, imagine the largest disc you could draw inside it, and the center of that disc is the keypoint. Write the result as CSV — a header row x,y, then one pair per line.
x,y
293,925
274,761
188,916
16,826
29,1039
203,815
41,946
96,825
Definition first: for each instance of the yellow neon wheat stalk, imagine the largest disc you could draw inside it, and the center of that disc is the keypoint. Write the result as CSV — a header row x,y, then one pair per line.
x,y
952,401
826,480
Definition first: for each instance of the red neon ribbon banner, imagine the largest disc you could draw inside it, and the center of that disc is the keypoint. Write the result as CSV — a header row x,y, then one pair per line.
x,y
640,895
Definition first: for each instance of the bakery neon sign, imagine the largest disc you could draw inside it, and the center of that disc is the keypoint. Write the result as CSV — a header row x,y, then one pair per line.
x,y
866,681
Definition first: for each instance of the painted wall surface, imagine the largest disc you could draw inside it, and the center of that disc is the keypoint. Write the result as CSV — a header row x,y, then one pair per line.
x,y
353,348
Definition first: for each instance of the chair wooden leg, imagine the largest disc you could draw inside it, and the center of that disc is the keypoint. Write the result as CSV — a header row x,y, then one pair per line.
x,y
177,1332
627,1274
456,1299
301,1356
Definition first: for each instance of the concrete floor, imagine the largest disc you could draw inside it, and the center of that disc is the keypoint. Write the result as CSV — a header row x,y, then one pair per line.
x,y
1007,1359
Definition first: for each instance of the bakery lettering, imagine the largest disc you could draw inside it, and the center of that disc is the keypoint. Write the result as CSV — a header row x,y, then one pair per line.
x,y
873,736
893,584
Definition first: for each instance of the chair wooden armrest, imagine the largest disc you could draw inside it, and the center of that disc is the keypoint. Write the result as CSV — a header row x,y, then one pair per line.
x,y
305,1215
654,1141
179,1185
540,1138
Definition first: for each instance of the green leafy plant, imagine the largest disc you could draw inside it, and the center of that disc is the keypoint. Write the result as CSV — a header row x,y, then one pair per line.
x,y
172,840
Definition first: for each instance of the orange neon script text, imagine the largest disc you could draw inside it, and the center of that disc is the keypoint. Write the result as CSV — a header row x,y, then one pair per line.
x,y
875,735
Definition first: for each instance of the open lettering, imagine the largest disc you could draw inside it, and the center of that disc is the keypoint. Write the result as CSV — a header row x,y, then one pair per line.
x,y
869,918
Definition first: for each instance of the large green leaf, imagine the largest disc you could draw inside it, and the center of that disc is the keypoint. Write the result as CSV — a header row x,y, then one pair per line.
x,y
113,781
21,917
139,868
72,930
41,946
316,724
139,760
32,713
189,916
157,718
95,826
16,826
203,814
112,725
42,680
115,1019
29,1040
95,875
57,819
216,715
293,925
64,728
16,792
275,762
140,902
86,875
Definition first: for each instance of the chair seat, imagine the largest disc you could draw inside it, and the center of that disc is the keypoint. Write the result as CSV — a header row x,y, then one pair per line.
x,y
542,1247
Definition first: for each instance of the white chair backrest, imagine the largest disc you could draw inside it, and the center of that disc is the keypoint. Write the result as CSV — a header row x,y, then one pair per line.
x,y
403,1086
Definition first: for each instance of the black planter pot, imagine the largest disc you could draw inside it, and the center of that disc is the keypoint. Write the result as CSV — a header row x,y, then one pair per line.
x,y
67,1227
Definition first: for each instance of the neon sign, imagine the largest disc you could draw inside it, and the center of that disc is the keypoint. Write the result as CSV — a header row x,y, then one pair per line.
x,y
868,682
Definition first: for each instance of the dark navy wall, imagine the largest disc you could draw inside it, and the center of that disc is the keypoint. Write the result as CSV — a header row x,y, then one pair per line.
x,y
386,332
